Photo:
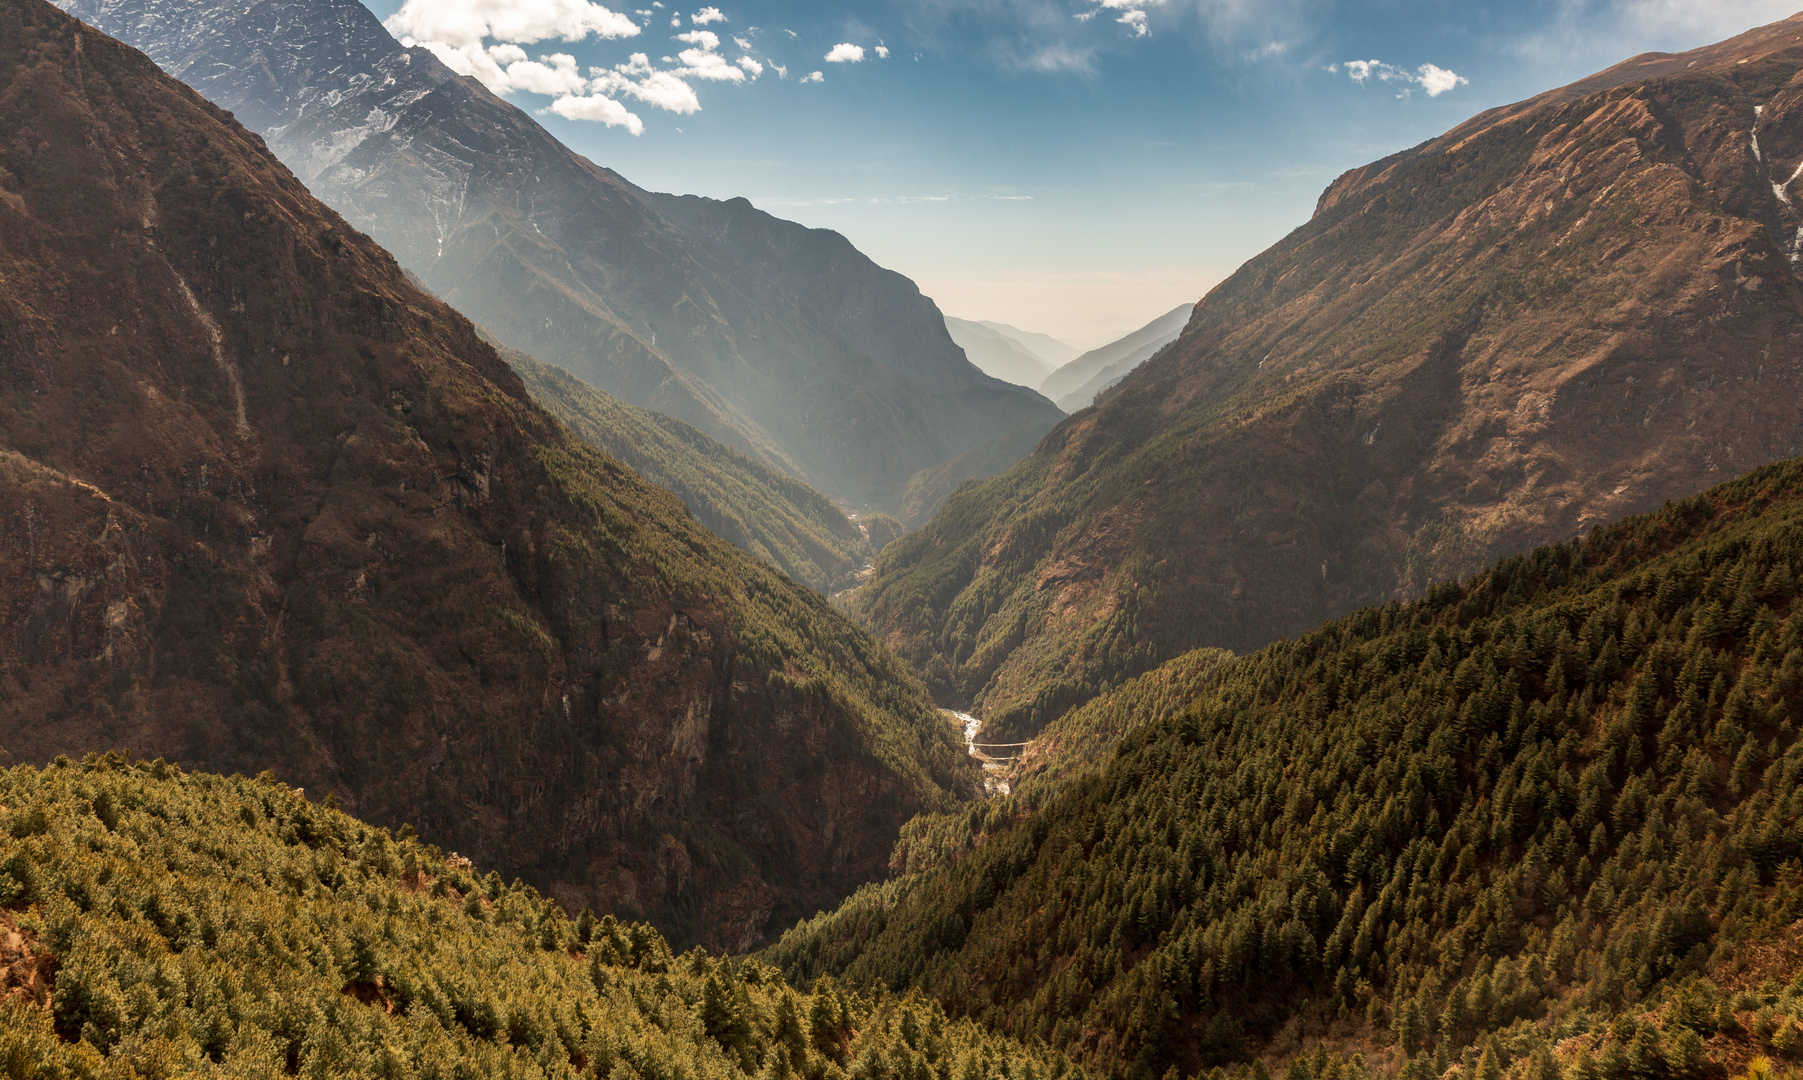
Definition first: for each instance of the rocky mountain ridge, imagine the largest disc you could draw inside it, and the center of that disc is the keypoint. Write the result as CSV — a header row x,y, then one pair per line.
x,y
783,342
1559,313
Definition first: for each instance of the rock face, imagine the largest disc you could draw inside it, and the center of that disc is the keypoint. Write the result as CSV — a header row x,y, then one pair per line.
x,y
268,505
781,341
1559,313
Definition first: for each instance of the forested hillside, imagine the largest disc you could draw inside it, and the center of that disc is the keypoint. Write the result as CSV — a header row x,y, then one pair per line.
x,y
1544,818
770,514
157,923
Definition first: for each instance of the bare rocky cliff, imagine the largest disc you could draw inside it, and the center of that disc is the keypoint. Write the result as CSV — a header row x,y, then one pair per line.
x,y
266,505
1560,313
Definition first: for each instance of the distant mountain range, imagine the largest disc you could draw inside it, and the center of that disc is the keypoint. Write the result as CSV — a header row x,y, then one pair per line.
x,y
270,506
1044,346
1558,313
998,353
781,341
1075,385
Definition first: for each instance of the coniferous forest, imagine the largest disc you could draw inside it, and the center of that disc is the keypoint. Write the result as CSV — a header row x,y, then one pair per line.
x,y
163,924
1544,821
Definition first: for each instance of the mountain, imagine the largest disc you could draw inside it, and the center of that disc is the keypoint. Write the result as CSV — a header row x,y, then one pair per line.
x,y
273,506
1045,346
1075,385
783,342
998,354
767,513
168,923
929,488
1557,314
1545,822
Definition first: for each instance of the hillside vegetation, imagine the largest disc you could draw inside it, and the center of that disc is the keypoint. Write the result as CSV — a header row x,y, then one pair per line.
x,y
1545,819
158,924
1555,315
752,506
270,505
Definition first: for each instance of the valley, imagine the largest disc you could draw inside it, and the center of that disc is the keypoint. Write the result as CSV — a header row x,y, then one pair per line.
x,y
464,613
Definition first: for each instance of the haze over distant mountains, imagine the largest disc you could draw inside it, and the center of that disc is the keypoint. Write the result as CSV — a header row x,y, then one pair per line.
x,y
999,353
1044,346
781,341
1558,313
1075,385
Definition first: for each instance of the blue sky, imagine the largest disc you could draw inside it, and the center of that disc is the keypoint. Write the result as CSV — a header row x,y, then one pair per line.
x,y
1070,166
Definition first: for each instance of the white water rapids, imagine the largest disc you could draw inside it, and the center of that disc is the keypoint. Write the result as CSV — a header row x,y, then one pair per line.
x,y
993,783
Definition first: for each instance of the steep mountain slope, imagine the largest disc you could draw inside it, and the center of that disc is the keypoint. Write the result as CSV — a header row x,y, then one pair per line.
x,y
771,515
181,924
277,507
998,354
1075,384
1528,812
780,341
929,488
1556,314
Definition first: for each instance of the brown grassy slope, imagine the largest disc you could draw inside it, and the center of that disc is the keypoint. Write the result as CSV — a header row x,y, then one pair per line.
x,y
1560,313
266,504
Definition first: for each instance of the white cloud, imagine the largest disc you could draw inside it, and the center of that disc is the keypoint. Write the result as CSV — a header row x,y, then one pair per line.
x,y
599,109
1434,79
707,15
555,76
813,76
742,43
781,71
751,66
637,78
845,53
457,24
702,62
1437,80
1132,13
676,20
882,52
504,68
